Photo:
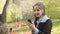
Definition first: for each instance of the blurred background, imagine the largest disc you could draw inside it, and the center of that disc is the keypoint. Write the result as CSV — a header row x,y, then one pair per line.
x,y
20,10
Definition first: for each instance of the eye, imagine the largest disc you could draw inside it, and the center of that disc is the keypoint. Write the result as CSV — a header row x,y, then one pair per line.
x,y
37,9
34,10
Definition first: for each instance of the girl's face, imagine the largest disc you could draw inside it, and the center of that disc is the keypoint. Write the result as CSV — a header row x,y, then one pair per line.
x,y
37,11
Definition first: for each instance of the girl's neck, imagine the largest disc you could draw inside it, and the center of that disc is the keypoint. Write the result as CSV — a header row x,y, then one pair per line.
x,y
39,17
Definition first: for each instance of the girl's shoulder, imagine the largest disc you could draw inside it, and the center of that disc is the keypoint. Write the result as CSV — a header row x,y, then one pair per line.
x,y
49,21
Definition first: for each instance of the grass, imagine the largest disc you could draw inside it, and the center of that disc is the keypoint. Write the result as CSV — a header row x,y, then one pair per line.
x,y
56,30
23,30
56,27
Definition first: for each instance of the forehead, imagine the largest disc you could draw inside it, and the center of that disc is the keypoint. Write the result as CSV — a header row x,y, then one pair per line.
x,y
36,7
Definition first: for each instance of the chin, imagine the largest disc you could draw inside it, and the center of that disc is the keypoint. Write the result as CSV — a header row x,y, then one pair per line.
x,y
37,16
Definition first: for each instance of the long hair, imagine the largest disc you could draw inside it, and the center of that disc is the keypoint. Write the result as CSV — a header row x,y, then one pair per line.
x,y
0,18
41,6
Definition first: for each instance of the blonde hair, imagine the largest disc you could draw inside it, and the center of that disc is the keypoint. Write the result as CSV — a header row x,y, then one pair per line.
x,y
41,6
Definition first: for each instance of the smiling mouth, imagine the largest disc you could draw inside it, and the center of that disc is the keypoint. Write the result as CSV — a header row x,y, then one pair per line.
x,y
37,14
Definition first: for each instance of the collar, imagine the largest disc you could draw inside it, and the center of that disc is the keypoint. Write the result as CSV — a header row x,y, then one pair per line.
x,y
43,19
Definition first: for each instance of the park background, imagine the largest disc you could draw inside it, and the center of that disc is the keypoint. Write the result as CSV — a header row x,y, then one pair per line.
x,y
20,10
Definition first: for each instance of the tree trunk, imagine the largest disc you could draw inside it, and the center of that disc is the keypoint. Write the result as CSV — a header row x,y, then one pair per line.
x,y
3,24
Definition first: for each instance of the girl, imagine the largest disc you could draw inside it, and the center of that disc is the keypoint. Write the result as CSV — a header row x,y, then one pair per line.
x,y
42,24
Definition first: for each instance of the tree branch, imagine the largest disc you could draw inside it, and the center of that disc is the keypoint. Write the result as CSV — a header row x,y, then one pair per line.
x,y
5,9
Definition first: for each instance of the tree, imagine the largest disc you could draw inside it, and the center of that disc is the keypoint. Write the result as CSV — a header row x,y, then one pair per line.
x,y
3,24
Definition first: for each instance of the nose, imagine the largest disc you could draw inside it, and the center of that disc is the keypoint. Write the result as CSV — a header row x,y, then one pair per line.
x,y
36,12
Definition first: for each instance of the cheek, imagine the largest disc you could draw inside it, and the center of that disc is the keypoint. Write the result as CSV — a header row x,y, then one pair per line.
x,y
36,12
40,13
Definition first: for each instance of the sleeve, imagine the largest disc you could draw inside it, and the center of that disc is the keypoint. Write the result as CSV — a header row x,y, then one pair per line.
x,y
36,31
46,28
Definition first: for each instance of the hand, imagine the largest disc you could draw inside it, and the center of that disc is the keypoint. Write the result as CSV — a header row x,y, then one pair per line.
x,y
32,26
